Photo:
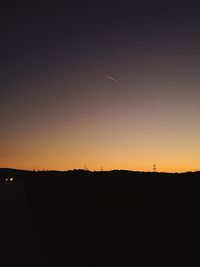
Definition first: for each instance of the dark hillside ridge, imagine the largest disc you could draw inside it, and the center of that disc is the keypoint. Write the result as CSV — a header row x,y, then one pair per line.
x,y
27,174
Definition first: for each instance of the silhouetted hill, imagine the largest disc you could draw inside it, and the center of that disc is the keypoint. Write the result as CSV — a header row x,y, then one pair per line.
x,y
124,218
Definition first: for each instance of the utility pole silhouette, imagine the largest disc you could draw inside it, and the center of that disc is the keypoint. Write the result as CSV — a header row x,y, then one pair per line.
x,y
154,168
85,167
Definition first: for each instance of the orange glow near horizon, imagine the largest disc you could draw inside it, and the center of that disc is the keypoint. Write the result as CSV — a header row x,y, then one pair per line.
x,y
107,141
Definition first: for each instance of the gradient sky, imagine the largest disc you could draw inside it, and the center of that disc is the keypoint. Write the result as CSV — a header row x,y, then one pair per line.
x,y
58,110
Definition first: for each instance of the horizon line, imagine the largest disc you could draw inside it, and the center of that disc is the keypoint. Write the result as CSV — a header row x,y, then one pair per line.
x,y
93,170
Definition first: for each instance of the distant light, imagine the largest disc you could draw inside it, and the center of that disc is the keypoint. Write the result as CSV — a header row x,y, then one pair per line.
x,y
9,179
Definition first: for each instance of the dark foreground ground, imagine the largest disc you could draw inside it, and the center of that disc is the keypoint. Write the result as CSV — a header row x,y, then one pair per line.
x,y
82,218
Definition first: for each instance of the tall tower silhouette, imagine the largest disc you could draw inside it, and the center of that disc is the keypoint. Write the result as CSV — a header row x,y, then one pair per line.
x,y
85,167
154,168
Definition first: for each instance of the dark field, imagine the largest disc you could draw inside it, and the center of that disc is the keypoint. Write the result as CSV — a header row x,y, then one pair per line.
x,y
82,218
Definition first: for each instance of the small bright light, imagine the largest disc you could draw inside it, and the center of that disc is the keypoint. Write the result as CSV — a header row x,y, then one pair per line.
x,y
6,179
11,179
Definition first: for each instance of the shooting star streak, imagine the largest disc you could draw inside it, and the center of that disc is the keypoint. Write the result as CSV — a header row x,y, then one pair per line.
x,y
112,79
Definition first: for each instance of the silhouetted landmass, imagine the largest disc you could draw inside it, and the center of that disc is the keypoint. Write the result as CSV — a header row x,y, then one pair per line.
x,y
83,218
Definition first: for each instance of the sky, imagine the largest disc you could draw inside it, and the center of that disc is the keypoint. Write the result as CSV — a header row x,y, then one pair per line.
x,y
111,85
